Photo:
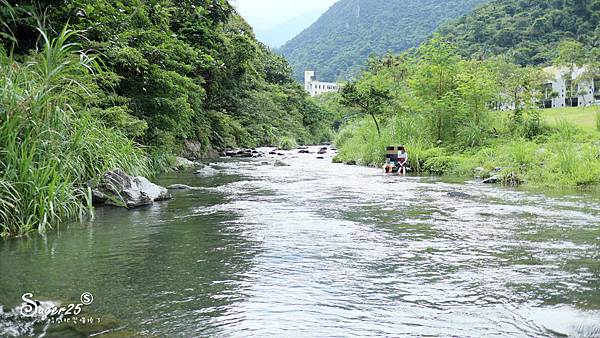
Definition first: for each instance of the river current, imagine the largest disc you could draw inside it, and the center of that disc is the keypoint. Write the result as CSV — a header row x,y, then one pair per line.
x,y
321,249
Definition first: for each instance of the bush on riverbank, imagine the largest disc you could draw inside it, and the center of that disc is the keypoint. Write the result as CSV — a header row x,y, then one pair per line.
x,y
564,156
450,113
51,139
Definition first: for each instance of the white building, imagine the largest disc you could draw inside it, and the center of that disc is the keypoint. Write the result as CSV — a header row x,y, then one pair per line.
x,y
560,91
314,87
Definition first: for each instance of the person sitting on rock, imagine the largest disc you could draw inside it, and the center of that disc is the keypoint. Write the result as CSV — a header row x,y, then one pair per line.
x,y
402,163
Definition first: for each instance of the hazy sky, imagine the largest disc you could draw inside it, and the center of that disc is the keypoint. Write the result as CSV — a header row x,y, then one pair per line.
x,y
266,14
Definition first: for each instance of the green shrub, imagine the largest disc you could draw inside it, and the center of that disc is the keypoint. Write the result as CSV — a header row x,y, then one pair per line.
x,y
287,143
598,120
439,165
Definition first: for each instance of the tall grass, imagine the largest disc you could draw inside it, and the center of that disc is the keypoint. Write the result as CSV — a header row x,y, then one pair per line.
x,y
598,120
564,156
360,142
287,143
51,146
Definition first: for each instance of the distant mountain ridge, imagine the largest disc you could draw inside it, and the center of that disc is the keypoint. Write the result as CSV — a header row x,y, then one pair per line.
x,y
276,36
340,41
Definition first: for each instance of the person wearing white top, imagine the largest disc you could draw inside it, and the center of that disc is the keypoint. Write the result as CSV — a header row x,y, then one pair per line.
x,y
402,161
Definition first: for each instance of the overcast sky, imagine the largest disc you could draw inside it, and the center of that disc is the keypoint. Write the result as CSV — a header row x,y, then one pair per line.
x,y
266,14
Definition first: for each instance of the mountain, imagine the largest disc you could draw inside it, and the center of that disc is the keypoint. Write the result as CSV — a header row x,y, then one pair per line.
x,y
528,31
275,37
351,30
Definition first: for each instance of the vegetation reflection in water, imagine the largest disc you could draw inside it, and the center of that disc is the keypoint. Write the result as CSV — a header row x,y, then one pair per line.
x,y
325,249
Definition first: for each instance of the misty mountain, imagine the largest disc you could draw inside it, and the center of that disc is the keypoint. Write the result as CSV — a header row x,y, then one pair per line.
x,y
276,36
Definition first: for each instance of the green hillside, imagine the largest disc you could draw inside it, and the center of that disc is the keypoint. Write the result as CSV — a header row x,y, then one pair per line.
x,y
351,30
528,31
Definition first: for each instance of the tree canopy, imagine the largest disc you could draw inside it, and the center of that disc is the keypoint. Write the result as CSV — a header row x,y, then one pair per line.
x,y
529,32
178,70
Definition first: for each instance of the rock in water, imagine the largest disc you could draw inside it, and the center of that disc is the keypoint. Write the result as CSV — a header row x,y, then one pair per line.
x,y
117,188
279,163
492,180
457,194
183,163
207,171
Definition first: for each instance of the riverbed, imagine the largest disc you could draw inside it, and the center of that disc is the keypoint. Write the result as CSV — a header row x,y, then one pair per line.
x,y
323,249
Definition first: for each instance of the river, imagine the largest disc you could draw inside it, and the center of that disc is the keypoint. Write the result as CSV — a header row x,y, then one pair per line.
x,y
322,249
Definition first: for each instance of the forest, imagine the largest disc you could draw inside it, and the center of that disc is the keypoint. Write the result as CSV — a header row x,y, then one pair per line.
x,y
88,86
341,41
527,31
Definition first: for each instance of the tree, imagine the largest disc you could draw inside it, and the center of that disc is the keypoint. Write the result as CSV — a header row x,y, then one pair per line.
x,y
368,97
477,87
571,55
435,82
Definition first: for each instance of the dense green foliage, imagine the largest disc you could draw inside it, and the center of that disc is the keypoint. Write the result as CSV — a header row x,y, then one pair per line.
x,y
447,111
527,31
138,82
339,43
182,70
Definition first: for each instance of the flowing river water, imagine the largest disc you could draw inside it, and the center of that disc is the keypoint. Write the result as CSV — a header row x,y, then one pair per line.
x,y
322,249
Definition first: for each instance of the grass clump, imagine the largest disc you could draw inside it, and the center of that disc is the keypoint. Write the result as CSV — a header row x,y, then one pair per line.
x,y
52,147
287,143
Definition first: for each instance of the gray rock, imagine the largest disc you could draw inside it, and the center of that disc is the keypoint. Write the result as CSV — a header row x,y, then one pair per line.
x,y
492,180
239,153
207,171
183,163
457,194
279,163
116,188
192,150
304,151
320,158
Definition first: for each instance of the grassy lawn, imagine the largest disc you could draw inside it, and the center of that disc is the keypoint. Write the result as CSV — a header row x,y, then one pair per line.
x,y
584,117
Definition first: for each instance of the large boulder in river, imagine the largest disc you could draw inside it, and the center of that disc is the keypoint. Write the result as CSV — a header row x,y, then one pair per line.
x,y
492,180
182,163
117,188
240,153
